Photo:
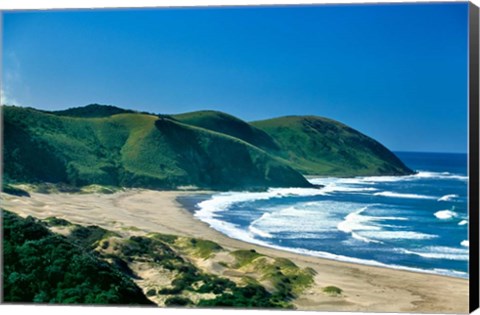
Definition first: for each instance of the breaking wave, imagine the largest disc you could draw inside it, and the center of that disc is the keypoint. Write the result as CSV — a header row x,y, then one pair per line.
x,y
445,214
448,197
420,175
356,224
400,195
440,252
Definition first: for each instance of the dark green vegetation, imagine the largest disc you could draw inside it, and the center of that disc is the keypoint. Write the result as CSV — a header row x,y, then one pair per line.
x,y
109,146
42,267
92,111
91,265
9,189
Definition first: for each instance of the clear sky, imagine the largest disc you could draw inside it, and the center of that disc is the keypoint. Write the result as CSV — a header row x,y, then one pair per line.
x,y
397,73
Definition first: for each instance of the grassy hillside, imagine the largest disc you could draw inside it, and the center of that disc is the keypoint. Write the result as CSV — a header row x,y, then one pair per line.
x,y
321,146
133,150
230,125
42,267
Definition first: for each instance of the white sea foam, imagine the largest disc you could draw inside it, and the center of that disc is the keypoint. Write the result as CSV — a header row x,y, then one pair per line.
x,y
445,214
335,188
223,201
439,252
357,224
355,221
447,197
332,185
420,175
465,243
453,273
233,231
305,235
463,222
396,235
259,232
220,202
442,175
306,217
400,195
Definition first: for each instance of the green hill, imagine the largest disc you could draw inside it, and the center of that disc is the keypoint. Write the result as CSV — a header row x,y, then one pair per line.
x,y
230,125
321,146
133,150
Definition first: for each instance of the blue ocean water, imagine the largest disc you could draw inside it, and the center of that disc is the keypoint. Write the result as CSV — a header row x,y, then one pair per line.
x,y
417,222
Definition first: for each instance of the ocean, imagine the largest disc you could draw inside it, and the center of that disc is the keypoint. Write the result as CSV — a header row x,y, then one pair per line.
x,y
417,222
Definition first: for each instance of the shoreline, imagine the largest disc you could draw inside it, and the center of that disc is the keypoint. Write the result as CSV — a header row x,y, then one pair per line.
x,y
190,209
366,288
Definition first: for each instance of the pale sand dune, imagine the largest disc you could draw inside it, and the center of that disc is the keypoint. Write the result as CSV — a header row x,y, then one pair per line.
x,y
366,288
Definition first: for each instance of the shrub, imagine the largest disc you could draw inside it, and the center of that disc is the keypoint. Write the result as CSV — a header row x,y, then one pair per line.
x,y
54,221
332,290
42,267
9,189
151,292
177,301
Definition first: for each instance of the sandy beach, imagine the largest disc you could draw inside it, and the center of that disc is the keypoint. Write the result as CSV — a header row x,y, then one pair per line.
x,y
366,288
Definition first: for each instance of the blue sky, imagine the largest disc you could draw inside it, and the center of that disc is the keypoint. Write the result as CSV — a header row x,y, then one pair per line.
x,y
397,73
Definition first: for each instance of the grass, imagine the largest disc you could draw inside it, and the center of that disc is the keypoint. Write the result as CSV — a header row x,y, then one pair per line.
x,y
287,278
99,189
332,290
51,188
197,247
322,146
244,257
131,228
229,125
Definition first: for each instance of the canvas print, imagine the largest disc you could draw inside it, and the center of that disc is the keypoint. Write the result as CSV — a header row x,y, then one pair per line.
x,y
266,157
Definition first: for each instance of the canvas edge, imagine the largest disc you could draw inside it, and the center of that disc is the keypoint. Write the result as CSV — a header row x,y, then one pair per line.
x,y
473,156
